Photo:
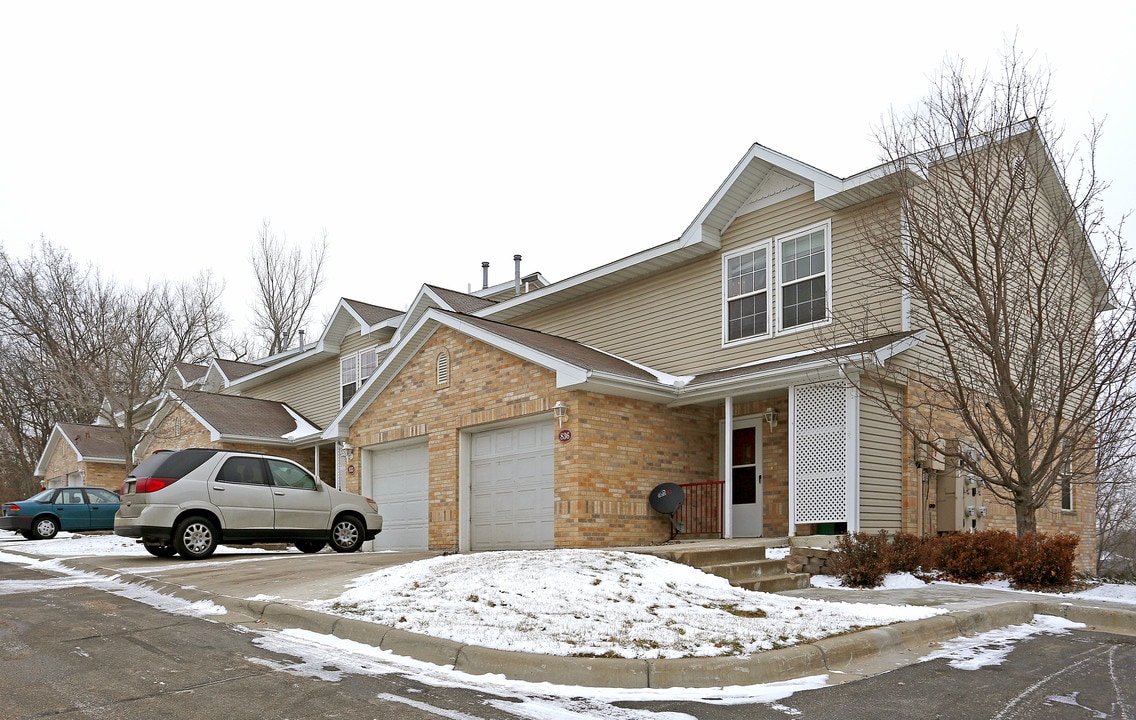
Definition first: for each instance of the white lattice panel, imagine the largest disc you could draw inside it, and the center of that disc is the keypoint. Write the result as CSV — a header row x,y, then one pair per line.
x,y
821,455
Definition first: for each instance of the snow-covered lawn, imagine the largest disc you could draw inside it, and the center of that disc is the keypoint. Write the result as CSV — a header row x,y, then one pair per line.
x,y
581,602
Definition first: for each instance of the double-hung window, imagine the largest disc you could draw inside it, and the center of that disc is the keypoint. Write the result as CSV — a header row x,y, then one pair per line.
x,y
804,277
354,371
348,377
746,282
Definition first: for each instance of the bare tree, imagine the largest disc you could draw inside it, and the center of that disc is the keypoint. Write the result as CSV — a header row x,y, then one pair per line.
x,y
81,348
990,231
286,283
1116,520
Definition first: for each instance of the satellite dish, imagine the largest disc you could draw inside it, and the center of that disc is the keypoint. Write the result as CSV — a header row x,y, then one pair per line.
x,y
666,499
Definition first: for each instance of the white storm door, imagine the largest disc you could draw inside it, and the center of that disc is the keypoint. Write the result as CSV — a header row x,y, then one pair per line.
x,y
512,488
400,482
746,479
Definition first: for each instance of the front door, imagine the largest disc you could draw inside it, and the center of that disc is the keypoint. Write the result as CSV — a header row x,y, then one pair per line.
x,y
746,479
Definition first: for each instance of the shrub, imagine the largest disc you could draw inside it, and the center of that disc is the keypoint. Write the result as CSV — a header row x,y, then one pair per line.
x,y
1044,561
973,557
861,560
905,553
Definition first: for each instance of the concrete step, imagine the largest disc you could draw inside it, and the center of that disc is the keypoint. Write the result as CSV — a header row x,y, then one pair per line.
x,y
777,583
742,565
746,570
701,557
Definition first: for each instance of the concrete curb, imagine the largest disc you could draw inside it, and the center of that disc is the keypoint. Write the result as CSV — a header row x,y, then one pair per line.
x,y
834,654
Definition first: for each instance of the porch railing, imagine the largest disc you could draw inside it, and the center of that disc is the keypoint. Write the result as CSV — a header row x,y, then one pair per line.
x,y
701,510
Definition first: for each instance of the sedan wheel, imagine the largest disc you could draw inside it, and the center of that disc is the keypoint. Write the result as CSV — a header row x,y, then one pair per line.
x,y
45,528
195,538
347,534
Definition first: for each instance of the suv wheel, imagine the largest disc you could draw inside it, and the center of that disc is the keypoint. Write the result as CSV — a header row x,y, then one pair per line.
x,y
346,534
195,538
45,527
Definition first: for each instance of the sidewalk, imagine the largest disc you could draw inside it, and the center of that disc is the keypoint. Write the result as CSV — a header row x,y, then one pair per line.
x,y
971,610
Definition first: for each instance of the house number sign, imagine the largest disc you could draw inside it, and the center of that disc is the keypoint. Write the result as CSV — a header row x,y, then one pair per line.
x,y
565,435
350,469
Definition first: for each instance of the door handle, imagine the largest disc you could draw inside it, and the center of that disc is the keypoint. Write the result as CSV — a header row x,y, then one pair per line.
x,y
278,492
218,488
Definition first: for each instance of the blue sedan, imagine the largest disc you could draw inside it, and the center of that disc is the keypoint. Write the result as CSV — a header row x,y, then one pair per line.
x,y
41,516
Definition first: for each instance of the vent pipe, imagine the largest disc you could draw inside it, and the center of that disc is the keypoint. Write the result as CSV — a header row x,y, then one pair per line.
x,y
484,274
517,275
301,339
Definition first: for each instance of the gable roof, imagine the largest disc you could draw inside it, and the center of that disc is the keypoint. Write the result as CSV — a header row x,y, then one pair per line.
x,y
190,373
370,314
232,417
91,443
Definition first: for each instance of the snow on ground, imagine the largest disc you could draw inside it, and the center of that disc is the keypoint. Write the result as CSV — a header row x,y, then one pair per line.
x,y
595,602
991,648
577,602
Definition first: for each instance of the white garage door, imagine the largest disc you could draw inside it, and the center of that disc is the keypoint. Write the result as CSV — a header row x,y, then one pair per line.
x,y
511,493
399,484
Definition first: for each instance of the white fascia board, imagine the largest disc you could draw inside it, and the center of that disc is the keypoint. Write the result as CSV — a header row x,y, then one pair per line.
x,y
304,429
49,450
887,352
255,439
625,387
809,372
108,461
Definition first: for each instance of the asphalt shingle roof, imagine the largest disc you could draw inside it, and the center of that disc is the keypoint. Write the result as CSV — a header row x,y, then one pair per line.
x,y
94,441
236,415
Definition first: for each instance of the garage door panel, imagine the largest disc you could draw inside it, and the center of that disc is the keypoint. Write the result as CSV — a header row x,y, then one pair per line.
x,y
511,474
400,485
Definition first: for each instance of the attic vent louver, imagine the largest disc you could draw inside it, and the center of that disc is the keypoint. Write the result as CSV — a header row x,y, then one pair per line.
x,y
443,368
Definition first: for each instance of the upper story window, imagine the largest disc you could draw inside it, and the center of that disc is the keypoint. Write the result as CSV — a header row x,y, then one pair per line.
x,y
789,276
368,361
804,280
746,283
354,370
348,377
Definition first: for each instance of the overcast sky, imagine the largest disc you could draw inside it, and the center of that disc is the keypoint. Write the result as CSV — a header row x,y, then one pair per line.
x,y
153,138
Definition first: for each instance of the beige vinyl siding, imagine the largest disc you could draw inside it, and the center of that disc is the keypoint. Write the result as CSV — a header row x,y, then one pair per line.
x,y
313,392
672,321
881,460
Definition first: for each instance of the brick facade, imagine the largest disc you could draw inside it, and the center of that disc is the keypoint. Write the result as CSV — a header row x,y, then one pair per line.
x,y
620,448
920,518
64,461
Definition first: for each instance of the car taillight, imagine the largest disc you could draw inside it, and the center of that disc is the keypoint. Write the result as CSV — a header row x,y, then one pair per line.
x,y
12,508
151,484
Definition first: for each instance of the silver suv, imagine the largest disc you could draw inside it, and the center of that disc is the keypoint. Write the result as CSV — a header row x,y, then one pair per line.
x,y
189,501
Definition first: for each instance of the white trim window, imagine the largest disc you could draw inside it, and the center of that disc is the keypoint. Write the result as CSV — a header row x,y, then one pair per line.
x,y
368,361
348,377
745,284
805,279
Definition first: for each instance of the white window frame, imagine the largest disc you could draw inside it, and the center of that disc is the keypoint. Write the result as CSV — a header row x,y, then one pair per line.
x,y
780,285
767,247
344,382
368,363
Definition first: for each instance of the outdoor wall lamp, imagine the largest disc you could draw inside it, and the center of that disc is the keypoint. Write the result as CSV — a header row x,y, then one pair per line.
x,y
346,449
770,416
560,412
